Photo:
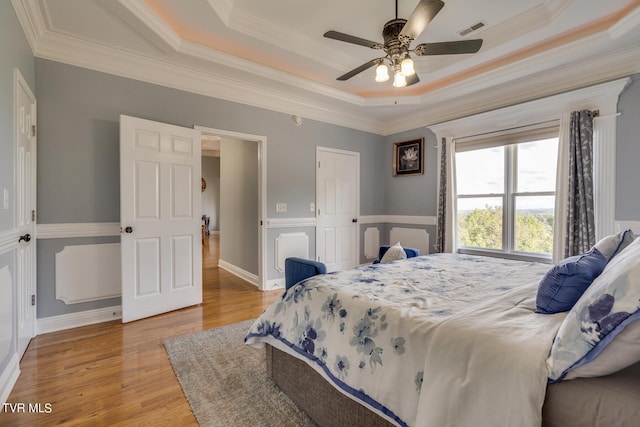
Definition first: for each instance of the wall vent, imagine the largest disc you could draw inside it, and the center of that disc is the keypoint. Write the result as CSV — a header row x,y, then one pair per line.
x,y
472,28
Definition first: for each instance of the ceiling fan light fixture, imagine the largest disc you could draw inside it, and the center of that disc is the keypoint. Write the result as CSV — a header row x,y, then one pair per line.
x,y
407,66
382,73
399,80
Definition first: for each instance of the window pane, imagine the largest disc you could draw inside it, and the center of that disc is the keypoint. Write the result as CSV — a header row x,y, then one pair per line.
x,y
480,222
537,166
534,224
480,171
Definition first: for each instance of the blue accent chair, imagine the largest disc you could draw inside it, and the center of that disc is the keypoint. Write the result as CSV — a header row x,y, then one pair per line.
x,y
411,252
297,269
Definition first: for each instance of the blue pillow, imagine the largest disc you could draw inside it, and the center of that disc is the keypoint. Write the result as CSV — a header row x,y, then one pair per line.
x,y
565,283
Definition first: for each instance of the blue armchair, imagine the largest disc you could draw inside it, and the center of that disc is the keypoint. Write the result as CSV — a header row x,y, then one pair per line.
x,y
411,252
297,269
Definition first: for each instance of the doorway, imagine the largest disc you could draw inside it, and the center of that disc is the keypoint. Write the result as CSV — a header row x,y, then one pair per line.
x,y
242,203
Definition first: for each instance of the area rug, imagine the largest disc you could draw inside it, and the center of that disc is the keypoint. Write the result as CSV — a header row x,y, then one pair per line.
x,y
226,383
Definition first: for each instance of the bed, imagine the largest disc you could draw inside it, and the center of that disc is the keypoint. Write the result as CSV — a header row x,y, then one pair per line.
x,y
436,340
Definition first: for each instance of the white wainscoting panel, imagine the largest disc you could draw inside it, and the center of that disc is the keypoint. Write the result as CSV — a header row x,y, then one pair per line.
x,y
371,242
410,238
290,245
6,312
88,273
628,225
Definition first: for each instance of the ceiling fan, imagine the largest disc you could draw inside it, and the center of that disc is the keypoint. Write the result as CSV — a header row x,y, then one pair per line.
x,y
398,35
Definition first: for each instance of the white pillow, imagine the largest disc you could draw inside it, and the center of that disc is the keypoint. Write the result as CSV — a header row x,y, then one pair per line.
x,y
622,352
612,245
606,308
394,253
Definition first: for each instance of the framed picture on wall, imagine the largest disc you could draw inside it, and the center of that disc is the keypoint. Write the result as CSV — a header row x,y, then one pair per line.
x,y
408,157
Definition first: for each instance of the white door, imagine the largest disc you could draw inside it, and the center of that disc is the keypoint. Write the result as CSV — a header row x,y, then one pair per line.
x,y
337,196
25,116
160,217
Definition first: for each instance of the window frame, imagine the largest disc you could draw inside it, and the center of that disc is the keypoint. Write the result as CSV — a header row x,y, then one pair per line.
x,y
509,140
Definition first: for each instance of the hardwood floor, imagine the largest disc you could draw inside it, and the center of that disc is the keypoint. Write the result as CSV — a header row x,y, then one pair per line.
x,y
118,374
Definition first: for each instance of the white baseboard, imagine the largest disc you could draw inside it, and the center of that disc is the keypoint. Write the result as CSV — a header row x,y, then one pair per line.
x,y
237,271
275,284
74,320
8,377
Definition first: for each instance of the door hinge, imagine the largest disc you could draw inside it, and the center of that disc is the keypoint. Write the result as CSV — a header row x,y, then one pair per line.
x,y
318,165
33,130
33,215
33,300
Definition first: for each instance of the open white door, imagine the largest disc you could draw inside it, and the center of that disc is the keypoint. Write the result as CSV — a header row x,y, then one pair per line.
x,y
160,217
25,126
337,195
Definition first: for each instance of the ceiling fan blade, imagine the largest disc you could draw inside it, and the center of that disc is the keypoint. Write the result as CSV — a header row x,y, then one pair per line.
x,y
358,70
412,79
352,39
448,48
424,12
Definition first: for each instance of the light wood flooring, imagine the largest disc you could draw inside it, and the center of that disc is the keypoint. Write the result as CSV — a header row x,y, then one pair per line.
x,y
116,374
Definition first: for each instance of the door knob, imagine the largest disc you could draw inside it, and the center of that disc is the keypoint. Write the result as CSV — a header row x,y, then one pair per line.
x,y
128,230
26,238
354,220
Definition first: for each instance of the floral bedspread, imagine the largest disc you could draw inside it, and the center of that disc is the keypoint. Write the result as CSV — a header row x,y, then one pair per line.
x,y
368,329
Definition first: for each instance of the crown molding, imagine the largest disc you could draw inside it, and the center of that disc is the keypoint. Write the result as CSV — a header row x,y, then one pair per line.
x,y
254,26
279,91
82,53
158,32
626,24
603,96
222,8
31,20
500,89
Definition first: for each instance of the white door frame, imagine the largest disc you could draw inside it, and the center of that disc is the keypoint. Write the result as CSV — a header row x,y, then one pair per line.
x,y
262,191
25,298
357,192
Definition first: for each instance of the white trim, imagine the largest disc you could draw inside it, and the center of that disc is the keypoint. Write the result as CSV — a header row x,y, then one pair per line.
x,y
398,219
79,229
291,222
8,377
81,318
243,274
261,140
626,225
602,97
289,245
101,262
273,284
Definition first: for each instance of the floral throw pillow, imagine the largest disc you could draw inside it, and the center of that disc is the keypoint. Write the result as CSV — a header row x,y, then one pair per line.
x,y
602,312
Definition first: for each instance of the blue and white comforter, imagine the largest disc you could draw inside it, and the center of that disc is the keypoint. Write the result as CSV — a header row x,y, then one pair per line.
x,y
412,339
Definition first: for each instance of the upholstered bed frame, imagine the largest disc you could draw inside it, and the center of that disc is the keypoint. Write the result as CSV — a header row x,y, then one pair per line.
x,y
608,401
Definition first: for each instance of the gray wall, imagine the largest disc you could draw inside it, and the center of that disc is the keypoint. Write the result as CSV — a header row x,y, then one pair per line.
x,y
78,167
211,194
239,213
628,153
14,53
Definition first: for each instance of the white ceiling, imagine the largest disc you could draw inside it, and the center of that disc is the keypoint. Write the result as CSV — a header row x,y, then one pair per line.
x,y
272,54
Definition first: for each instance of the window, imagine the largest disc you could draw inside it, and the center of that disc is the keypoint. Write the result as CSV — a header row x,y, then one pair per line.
x,y
506,193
